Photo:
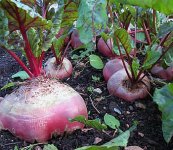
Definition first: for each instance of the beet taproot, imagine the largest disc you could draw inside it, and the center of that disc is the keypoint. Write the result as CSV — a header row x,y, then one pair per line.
x,y
120,86
41,108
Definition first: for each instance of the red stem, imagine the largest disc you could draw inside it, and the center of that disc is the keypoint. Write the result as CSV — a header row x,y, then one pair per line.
x,y
154,21
54,52
157,60
20,62
163,40
146,34
137,31
121,56
33,62
65,51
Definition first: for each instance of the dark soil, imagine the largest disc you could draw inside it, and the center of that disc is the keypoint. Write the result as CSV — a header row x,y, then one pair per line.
x,y
147,135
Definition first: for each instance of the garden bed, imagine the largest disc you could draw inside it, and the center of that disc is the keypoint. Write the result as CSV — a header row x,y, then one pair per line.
x,y
147,135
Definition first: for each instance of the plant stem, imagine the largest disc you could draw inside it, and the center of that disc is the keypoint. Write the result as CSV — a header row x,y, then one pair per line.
x,y
154,21
65,51
31,58
163,53
19,61
56,57
157,60
163,40
121,56
146,34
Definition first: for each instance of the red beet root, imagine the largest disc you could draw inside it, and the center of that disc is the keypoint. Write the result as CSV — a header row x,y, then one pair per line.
x,y
75,41
111,67
120,86
162,73
61,71
106,49
40,109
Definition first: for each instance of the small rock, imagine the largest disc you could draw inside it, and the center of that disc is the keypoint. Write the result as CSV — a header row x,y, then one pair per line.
x,y
127,112
98,99
117,111
97,140
97,90
140,105
131,108
127,125
86,129
140,134
115,108
133,148
37,148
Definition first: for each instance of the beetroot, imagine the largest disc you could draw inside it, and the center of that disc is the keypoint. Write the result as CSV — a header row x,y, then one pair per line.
x,y
40,108
120,86
162,73
111,67
106,49
61,71
75,41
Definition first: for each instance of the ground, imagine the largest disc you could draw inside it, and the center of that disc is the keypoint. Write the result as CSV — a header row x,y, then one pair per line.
x,y
147,135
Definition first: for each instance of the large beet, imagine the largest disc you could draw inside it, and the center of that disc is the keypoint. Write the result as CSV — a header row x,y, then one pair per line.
x,y
112,66
61,71
162,73
41,108
75,41
120,86
106,48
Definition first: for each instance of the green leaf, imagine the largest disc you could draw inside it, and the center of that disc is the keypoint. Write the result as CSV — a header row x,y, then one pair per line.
x,y
49,147
4,31
98,148
20,14
70,15
16,148
164,99
124,39
135,66
121,140
125,18
21,74
151,57
8,85
92,18
114,144
140,36
111,121
164,29
168,57
34,41
105,36
160,5
58,45
90,123
96,62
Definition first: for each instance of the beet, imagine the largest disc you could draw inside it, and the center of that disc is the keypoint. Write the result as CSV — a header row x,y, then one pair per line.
x,y
111,67
120,86
75,41
40,108
61,71
162,73
106,49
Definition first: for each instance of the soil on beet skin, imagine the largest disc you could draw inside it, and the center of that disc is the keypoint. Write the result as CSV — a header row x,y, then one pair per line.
x,y
147,135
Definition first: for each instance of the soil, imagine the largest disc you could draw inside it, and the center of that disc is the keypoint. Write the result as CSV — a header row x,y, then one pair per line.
x,y
147,135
